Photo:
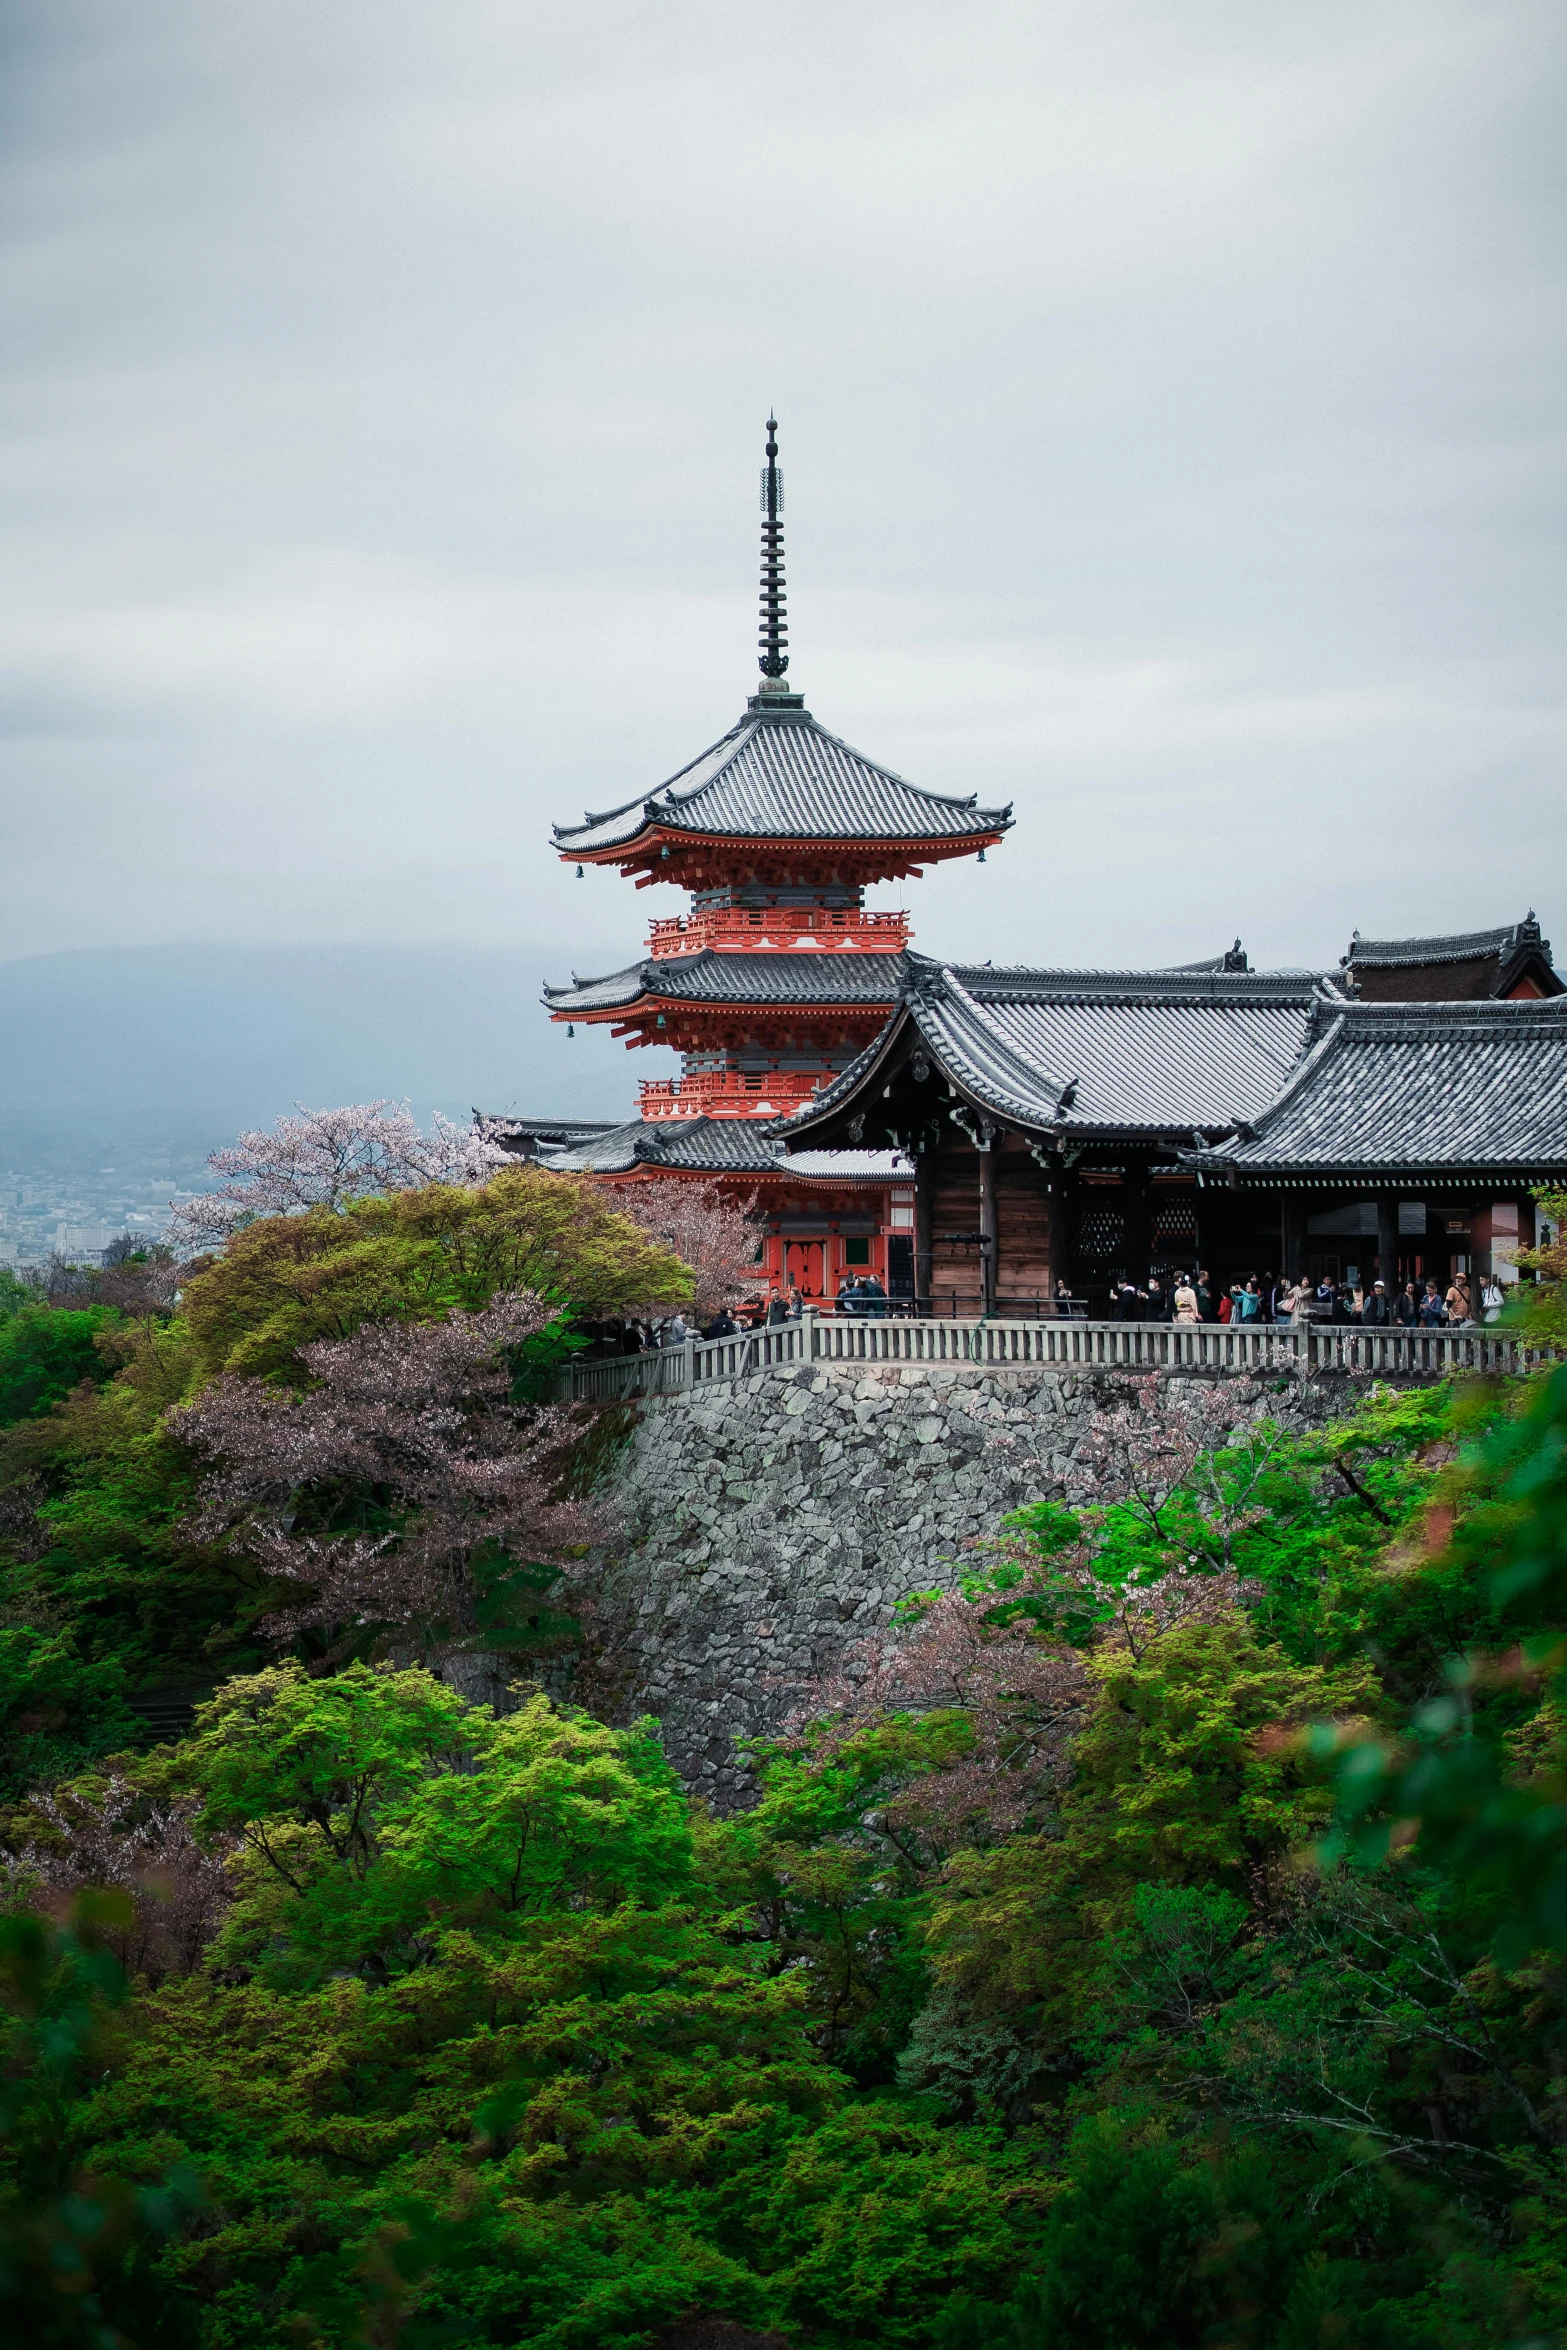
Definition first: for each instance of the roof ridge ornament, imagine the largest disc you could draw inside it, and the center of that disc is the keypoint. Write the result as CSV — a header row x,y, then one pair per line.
x,y
773,635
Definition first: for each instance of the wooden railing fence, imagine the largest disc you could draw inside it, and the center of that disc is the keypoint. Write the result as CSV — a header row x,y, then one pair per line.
x,y
1069,1346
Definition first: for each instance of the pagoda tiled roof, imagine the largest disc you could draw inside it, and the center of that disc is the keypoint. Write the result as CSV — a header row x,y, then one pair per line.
x,y
778,775
1089,1052
713,977
1458,1088
719,1146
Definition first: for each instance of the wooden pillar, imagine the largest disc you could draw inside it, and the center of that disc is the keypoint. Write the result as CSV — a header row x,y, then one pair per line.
x,y
1294,1235
924,1219
1055,1272
988,1225
1387,1242
1138,1202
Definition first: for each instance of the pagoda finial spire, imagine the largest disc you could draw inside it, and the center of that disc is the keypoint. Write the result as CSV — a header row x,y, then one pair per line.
x,y
773,660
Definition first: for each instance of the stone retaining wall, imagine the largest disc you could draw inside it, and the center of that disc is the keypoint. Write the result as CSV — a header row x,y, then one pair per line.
x,y
769,1525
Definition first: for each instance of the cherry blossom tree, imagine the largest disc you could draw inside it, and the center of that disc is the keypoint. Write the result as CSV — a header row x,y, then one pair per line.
x,y
320,1158
713,1233
137,1279
109,1832
377,1491
1025,1697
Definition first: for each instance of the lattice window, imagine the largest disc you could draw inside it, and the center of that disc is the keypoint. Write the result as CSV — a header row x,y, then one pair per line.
x,y
1101,1233
1175,1219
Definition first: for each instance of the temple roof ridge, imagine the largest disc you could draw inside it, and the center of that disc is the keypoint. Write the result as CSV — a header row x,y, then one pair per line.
x,y
715,1146
1193,982
1457,946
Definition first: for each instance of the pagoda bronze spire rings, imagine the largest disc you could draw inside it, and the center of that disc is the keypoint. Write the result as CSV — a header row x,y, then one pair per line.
x,y
773,634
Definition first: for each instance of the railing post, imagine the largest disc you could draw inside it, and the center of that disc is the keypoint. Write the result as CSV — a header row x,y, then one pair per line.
x,y
808,1333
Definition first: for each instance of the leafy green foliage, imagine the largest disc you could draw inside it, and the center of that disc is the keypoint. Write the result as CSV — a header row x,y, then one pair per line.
x,y
286,1281
1301,1522
45,1354
501,2041
1454,1779
77,2244
99,1552
58,1709
14,1293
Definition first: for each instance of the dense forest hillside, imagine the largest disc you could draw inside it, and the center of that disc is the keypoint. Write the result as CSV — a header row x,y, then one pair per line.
x,y
1162,1947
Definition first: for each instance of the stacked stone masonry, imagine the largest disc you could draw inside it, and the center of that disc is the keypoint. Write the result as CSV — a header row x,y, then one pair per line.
x,y
768,1527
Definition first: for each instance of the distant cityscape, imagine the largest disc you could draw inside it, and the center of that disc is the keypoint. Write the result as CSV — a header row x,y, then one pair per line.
x,y
77,1215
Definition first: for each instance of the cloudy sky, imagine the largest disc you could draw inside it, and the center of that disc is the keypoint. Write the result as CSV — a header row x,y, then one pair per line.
x,y
1172,408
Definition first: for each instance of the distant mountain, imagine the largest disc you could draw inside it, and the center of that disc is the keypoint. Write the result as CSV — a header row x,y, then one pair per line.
x,y
133,1051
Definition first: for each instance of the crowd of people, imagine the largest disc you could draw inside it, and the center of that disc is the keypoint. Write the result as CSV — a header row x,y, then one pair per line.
x,y
861,1294
1267,1298
1176,1297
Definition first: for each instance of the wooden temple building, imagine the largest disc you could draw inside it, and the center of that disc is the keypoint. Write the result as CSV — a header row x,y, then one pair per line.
x,y
1077,1129
985,1139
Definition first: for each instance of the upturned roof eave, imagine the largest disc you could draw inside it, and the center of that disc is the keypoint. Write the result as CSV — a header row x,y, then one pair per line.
x,y
756,982
661,834
1454,946
662,807
757,1007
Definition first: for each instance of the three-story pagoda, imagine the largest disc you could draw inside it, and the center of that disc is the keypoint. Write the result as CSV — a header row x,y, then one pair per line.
x,y
778,975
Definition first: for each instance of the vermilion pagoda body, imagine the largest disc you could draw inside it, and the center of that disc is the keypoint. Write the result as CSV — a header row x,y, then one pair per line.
x,y
778,976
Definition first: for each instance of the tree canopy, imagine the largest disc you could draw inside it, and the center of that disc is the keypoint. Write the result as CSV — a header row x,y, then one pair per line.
x,y
1157,1944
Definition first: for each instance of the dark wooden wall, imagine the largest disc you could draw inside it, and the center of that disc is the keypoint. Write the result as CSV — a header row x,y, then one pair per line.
x,y
955,1266
1023,1224
1042,1235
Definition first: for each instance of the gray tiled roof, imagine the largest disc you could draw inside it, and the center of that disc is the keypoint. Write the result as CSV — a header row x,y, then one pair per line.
x,y
718,1146
1094,1052
613,1152
780,776
714,977
850,1166
1207,983
1466,946
840,977
499,1125
1440,1086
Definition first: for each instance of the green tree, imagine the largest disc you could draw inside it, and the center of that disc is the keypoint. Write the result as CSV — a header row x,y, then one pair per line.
x,y
415,1256
95,1502
14,1293
1484,1793
77,2244
58,1709
1190,1772
44,1354
376,1810
468,1967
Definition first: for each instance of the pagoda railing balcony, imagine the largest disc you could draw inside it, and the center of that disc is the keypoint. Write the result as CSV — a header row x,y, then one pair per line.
x,y
728,1093
780,930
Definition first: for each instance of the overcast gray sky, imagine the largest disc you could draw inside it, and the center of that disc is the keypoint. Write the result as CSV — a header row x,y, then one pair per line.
x,y
1172,406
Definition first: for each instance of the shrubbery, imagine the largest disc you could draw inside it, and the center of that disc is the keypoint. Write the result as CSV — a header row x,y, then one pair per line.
x,y
1188,1975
